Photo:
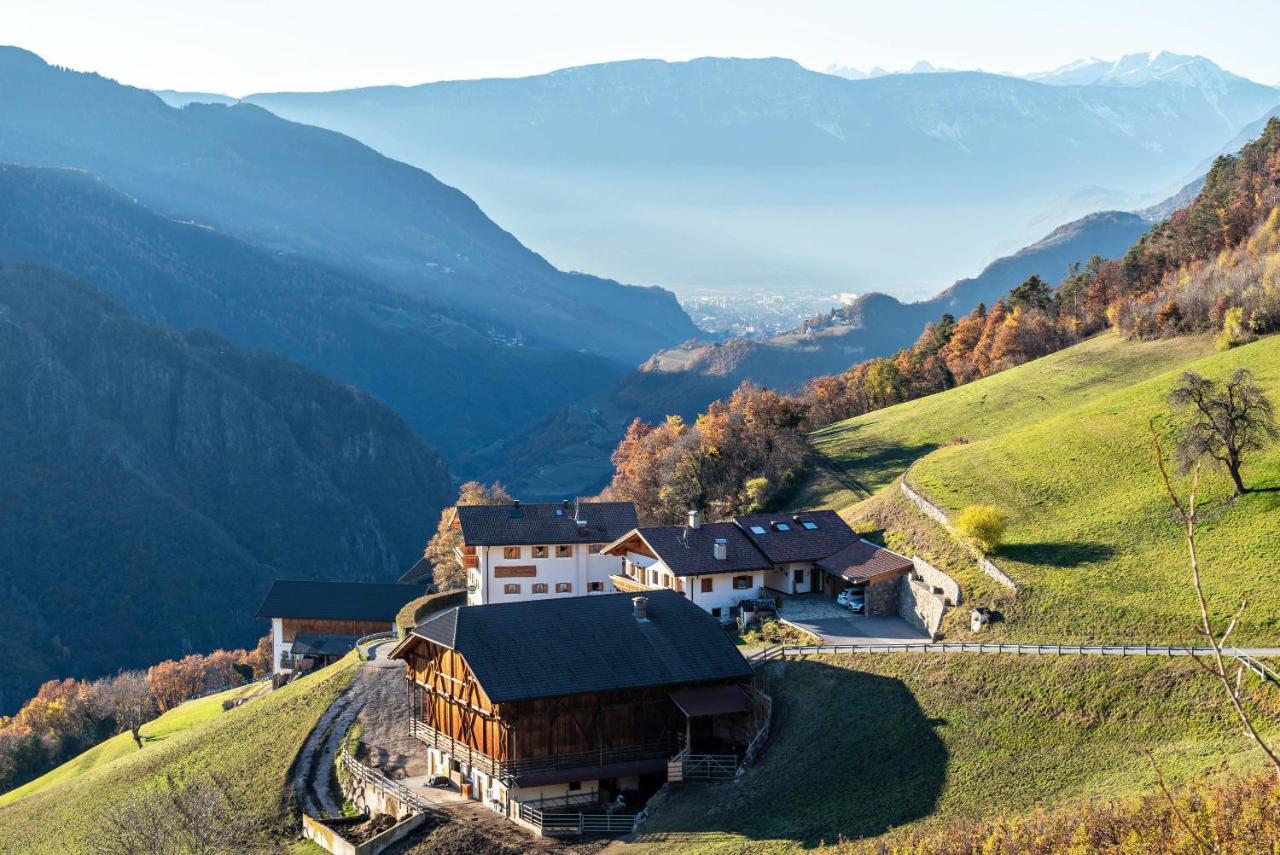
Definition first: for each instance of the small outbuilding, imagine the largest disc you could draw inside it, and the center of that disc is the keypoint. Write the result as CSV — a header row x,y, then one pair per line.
x,y
314,623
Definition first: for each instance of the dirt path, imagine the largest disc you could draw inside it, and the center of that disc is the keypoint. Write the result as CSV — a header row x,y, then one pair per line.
x,y
385,716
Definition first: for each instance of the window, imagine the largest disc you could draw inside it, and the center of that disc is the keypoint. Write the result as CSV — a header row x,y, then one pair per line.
x,y
594,549
757,529
782,526
510,552
564,550
810,525
595,587
564,587
653,577
741,583
539,552
707,585
539,587
799,576
715,612
511,588
574,786
680,585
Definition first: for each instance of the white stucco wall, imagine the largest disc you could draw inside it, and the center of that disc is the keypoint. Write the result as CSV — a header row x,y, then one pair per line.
x,y
578,571
278,647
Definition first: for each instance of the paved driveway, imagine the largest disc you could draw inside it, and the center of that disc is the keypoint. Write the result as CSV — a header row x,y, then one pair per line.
x,y
820,615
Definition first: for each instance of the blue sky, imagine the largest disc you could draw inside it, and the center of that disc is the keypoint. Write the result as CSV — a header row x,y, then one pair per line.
x,y
238,46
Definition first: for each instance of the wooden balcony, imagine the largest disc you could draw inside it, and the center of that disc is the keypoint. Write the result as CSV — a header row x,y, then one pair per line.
x,y
508,770
629,585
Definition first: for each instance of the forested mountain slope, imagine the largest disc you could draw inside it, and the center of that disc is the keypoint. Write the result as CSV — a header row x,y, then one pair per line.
x,y
299,189
156,482
449,378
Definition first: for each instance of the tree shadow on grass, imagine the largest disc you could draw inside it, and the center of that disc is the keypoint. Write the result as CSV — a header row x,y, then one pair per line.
x,y
1057,553
851,755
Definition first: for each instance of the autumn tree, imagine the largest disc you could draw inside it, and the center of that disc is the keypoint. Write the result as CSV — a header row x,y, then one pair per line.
x,y
175,680
1225,421
446,571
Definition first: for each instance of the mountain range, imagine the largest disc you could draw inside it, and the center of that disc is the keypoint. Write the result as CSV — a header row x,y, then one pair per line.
x,y
155,482
761,173
304,241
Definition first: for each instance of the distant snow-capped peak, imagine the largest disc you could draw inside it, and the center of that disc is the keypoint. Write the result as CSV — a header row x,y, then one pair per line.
x,y
851,73
1137,69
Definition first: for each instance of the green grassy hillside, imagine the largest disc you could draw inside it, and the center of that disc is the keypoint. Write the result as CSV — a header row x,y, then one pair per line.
x,y
1091,534
177,720
250,747
876,746
875,448
1062,446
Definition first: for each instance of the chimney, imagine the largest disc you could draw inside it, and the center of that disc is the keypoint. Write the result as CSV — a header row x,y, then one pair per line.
x,y
582,528
796,519
564,505
641,605
721,549
515,503
695,518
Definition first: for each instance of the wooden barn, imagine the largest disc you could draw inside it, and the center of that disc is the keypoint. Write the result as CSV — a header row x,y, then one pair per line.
x,y
579,702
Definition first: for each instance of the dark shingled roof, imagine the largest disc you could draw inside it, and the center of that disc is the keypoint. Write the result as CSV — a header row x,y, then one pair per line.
x,y
504,525
688,551
366,601
798,543
418,574
862,560
585,645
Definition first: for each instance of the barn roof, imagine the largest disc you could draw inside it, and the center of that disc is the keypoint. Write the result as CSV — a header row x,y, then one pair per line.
x,y
585,645
366,601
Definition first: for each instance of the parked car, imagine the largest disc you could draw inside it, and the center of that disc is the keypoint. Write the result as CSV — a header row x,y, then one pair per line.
x,y
440,782
853,599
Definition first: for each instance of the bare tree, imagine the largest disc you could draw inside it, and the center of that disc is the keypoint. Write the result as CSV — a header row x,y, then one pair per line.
x,y
192,818
1232,681
126,698
1227,420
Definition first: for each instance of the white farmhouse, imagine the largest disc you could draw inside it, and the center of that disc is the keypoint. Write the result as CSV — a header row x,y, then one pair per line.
x,y
518,551
718,565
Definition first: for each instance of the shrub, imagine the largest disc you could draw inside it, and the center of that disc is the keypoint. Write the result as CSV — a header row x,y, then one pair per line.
x,y
983,526
1235,331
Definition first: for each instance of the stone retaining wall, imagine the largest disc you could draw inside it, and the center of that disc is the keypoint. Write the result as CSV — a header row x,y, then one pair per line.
x,y
920,607
935,513
932,578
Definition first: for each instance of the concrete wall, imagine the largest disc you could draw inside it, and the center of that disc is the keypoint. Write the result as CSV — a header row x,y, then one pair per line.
x,y
920,607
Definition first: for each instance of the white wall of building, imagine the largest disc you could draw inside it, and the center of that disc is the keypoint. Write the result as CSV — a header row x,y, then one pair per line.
x,y
278,647
577,572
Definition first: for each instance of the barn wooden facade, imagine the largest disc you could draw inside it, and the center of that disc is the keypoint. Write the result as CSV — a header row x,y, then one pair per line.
x,y
574,698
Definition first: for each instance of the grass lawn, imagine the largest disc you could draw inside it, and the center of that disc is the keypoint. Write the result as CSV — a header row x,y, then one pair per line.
x,y
878,447
173,722
1091,536
882,745
251,748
